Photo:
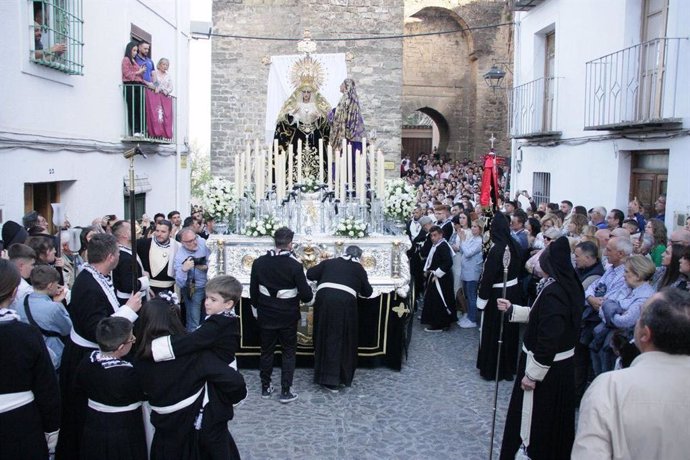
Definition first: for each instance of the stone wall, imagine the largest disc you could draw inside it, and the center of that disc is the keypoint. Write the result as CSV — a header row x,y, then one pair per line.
x,y
239,77
441,75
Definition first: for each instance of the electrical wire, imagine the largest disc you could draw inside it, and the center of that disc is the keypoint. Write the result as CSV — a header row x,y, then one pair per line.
x,y
352,39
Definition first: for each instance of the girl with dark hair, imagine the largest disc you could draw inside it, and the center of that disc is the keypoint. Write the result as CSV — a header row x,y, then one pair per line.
x,y
29,395
657,230
669,275
191,397
544,393
533,228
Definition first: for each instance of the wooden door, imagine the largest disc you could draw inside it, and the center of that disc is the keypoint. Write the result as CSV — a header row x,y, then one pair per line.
x,y
549,83
39,196
647,186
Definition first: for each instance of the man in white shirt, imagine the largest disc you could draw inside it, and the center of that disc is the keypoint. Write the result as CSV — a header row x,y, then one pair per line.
x,y
641,412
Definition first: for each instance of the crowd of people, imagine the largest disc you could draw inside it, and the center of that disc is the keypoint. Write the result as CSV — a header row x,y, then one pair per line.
x,y
585,280
94,328
104,337
147,89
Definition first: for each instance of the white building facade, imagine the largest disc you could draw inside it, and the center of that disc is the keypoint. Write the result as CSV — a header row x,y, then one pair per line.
x,y
600,108
63,117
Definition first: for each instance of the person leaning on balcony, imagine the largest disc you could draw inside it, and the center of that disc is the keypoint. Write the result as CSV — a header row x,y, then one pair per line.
x,y
161,78
132,77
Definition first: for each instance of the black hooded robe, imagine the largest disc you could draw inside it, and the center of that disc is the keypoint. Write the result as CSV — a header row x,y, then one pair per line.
x,y
552,331
490,289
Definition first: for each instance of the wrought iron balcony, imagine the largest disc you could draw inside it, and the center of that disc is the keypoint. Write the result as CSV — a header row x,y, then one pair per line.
x,y
534,109
635,88
148,116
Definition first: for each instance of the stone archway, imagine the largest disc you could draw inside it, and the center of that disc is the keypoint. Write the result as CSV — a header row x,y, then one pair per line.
x,y
443,73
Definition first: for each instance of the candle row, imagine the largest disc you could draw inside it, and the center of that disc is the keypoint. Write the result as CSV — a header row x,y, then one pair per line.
x,y
347,170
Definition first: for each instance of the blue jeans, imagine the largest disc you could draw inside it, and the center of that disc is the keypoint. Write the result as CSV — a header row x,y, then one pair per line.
x,y
470,290
193,303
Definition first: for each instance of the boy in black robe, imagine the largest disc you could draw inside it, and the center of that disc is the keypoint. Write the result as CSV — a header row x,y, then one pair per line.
x,y
114,428
439,296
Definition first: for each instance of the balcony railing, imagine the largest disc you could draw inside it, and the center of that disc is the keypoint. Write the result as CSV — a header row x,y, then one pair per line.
x,y
635,87
148,116
534,109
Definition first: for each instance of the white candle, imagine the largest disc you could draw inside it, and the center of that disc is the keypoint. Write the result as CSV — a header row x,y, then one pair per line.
x,y
258,176
381,176
372,170
299,161
361,174
336,178
280,171
289,170
343,176
320,161
237,182
329,162
247,166
348,165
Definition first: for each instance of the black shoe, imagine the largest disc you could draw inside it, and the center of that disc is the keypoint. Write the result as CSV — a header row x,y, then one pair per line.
x,y
266,392
332,388
287,396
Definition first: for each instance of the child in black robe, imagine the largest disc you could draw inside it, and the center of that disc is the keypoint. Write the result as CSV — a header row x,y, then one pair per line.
x,y
191,396
114,428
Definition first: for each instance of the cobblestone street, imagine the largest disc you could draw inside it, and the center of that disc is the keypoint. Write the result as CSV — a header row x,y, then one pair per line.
x,y
437,407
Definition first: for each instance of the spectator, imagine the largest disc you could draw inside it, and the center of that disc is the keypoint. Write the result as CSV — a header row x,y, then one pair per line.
x,y
660,207
597,217
161,78
614,219
471,268
657,230
668,275
191,266
133,89
43,309
143,58
641,412
635,212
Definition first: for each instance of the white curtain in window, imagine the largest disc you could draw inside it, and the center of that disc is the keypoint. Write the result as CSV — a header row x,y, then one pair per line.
x,y
279,87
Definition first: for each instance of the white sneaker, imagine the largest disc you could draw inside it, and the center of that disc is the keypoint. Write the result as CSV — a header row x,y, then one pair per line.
x,y
465,323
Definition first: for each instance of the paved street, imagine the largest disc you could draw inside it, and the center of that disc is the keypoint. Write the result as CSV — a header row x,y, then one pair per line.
x,y
437,407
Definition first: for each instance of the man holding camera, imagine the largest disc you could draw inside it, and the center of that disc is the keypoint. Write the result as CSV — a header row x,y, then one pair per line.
x,y
190,274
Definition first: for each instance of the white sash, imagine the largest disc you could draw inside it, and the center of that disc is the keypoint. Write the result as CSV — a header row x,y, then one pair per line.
x,y
81,341
340,287
165,410
281,294
11,401
95,405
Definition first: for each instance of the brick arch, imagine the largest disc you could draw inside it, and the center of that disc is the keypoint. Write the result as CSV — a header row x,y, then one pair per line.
x,y
440,77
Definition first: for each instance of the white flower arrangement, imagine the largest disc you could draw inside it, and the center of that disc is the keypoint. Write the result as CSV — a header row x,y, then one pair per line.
x,y
400,199
219,199
352,228
310,185
264,226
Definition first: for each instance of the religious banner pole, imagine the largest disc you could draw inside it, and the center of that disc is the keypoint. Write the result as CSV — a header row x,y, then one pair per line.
x,y
506,264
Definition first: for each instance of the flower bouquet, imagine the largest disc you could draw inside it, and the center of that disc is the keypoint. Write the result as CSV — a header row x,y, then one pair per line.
x,y
399,199
352,228
310,185
219,199
264,226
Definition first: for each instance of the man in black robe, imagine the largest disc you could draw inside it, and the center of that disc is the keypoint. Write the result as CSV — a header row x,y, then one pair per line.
x,y
490,287
541,414
340,282
439,297
157,255
93,298
122,273
276,287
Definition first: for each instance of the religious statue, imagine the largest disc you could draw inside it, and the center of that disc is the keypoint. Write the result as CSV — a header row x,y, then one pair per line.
x,y
346,118
304,115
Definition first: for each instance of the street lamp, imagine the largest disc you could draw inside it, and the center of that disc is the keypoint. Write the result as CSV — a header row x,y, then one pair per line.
x,y
494,77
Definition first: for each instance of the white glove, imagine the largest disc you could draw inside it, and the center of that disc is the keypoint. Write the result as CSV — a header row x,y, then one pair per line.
x,y
52,440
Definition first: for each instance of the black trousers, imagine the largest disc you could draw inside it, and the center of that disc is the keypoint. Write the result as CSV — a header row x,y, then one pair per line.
x,y
287,337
